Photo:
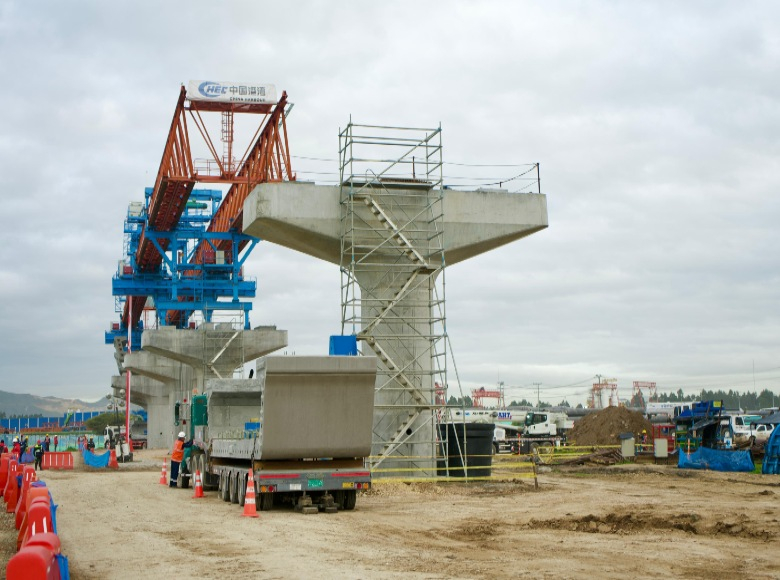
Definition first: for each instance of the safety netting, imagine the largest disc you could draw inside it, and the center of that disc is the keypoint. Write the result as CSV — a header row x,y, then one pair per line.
x,y
716,460
94,460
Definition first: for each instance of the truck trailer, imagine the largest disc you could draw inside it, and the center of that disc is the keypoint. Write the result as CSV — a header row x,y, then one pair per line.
x,y
303,426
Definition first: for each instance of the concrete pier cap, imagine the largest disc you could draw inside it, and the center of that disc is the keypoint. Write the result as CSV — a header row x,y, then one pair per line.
x,y
175,362
307,218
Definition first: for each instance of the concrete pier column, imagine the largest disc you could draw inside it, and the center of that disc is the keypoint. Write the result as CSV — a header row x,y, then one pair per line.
x,y
155,398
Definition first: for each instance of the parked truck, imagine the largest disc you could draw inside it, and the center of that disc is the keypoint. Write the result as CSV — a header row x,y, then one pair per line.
x,y
303,426
114,434
543,429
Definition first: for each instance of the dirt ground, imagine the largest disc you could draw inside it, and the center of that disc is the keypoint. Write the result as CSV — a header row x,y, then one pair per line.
x,y
624,521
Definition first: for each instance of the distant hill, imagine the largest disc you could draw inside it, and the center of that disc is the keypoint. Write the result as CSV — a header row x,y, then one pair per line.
x,y
16,404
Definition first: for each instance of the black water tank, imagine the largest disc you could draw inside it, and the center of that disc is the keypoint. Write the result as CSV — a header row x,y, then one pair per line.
x,y
476,446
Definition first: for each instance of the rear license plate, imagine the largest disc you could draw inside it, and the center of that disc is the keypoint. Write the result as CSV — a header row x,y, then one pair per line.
x,y
315,483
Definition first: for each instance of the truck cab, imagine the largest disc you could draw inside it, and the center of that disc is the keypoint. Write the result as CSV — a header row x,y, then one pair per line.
x,y
546,424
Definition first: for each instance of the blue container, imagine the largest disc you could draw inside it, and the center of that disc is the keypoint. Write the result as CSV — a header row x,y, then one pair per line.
x,y
343,345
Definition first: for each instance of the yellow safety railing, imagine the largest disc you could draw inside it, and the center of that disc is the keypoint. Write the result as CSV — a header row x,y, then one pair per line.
x,y
503,468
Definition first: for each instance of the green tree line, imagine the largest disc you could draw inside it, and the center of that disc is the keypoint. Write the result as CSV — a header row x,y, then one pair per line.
x,y
731,399
748,400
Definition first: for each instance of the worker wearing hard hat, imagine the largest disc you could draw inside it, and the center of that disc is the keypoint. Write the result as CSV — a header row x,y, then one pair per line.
x,y
17,449
38,452
176,457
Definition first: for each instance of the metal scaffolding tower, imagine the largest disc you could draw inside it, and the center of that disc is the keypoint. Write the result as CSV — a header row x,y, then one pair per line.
x,y
392,282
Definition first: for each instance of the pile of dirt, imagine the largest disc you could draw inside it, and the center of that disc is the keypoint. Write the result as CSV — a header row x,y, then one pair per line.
x,y
604,427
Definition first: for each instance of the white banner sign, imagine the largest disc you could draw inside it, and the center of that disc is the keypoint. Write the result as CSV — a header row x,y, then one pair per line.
x,y
230,92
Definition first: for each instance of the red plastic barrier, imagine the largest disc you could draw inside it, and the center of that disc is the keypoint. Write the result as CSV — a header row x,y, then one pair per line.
x,y
11,494
11,469
33,563
25,530
4,459
37,492
38,521
57,460
28,476
48,540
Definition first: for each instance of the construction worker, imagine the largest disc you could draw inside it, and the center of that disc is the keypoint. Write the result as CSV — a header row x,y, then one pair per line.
x,y
176,457
56,441
46,442
3,448
91,444
38,451
17,449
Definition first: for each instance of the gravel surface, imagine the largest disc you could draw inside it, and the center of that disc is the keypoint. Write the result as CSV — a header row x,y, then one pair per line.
x,y
625,521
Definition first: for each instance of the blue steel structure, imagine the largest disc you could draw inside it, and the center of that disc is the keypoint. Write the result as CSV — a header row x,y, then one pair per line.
x,y
180,283
184,247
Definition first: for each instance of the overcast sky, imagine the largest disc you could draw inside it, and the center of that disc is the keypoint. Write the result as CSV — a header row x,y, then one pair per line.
x,y
656,126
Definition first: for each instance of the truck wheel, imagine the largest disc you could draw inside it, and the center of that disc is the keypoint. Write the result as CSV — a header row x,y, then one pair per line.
x,y
350,499
266,501
224,479
495,448
234,485
338,498
242,483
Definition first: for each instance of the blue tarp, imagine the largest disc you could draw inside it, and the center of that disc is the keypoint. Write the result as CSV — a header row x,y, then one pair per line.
x,y
772,454
96,460
62,562
716,459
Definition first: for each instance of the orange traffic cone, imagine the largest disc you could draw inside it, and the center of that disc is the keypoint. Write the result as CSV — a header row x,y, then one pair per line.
x,y
250,509
198,485
164,474
112,462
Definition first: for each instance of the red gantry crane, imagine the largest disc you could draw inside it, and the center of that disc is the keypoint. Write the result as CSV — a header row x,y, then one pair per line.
x,y
266,160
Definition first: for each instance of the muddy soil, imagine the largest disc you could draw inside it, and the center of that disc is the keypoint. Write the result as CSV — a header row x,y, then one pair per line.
x,y
624,521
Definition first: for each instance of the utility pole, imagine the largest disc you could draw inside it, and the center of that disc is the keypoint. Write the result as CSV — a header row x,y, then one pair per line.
x,y
537,394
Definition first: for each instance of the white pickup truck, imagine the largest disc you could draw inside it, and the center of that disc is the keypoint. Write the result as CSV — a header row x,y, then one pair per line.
x,y
761,431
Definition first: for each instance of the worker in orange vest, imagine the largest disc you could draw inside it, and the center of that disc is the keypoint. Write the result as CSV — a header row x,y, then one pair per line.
x,y
176,457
